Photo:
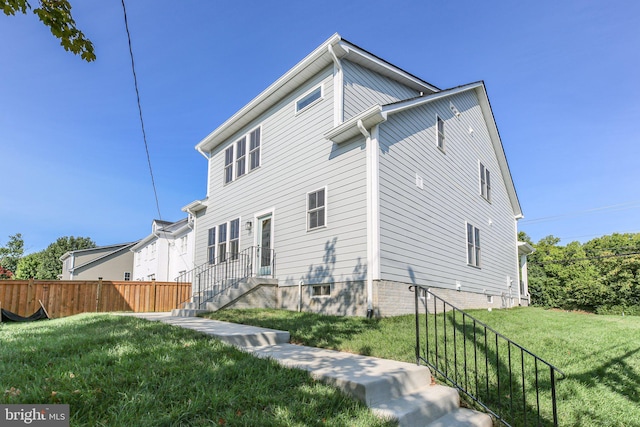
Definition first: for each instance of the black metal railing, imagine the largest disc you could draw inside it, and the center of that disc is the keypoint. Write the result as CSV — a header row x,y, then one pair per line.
x,y
508,381
216,276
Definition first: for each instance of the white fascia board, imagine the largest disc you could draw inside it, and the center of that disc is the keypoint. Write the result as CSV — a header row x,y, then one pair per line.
x,y
195,206
142,243
525,248
270,96
481,91
372,62
349,129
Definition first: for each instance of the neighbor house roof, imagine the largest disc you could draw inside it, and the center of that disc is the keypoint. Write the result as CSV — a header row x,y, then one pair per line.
x,y
166,228
115,250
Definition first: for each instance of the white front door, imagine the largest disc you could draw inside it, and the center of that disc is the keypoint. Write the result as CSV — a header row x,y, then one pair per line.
x,y
265,236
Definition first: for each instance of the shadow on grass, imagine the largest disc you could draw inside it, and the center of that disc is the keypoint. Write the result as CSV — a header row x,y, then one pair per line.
x,y
126,371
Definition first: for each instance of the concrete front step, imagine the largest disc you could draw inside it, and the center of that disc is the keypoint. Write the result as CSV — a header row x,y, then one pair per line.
x,y
463,417
393,390
420,408
187,312
369,379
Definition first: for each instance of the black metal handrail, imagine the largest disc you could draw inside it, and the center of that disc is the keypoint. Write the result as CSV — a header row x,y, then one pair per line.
x,y
477,360
228,269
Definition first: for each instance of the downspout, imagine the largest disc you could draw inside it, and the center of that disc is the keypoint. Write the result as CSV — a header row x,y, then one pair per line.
x,y
338,89
371,214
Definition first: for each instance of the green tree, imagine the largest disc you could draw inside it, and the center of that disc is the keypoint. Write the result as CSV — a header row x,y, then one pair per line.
x,y
56,14
50,266
11,253
28,266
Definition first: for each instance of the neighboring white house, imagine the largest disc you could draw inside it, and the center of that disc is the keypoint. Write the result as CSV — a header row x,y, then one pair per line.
x,y
114,262
165,253
364,179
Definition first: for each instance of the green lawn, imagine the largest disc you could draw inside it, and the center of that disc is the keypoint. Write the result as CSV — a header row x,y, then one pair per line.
x,y
599,354
124,371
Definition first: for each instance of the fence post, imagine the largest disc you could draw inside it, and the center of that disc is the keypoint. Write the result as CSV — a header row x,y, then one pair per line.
x,y
153,293
98,294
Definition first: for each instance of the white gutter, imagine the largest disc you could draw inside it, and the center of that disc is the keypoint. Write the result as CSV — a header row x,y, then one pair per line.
x,y
338,88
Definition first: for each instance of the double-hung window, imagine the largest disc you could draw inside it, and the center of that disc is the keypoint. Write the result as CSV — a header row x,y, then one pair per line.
x,y
243,162
211,246
222,242
241,156
473,245
254,149
485,182
440,133
228,165
316,209
234,238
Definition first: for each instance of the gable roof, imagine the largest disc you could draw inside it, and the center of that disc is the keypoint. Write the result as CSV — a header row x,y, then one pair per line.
x,y
379,113
321,57
115,250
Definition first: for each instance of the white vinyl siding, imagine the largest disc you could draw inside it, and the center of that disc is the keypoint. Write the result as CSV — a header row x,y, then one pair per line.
x,y
298,159
364,88
422,233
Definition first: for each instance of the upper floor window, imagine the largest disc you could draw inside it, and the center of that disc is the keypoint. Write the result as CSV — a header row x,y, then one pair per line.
x,y
440,132
485,182
127,276
254,149
228,164
316,209
309,99
241,164
183,244
473,245
241,156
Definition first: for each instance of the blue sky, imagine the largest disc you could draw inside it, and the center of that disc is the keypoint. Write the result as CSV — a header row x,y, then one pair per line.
x,y
562,77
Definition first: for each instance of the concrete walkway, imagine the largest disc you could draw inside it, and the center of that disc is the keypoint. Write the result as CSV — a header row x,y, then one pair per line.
x,y
398,390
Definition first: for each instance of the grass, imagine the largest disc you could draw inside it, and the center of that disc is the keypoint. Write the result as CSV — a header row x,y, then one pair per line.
x,y
599,354
124,371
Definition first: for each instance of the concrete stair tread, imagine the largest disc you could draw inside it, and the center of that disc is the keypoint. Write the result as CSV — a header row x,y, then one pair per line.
x,y
463,417
419,408
369,379
392,389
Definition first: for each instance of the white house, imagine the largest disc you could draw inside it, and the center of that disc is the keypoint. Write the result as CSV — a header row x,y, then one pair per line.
x,y
165,253
360,179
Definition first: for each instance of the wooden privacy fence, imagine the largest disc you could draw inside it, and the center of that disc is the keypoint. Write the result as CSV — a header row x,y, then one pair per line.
x,y
69,297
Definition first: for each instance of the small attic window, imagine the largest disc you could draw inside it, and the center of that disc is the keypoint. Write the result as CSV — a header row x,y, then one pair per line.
x,y
309,99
